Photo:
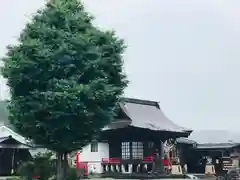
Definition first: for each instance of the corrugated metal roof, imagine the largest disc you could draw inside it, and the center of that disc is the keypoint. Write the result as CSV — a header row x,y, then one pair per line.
x,y
182,140
214,136
217,145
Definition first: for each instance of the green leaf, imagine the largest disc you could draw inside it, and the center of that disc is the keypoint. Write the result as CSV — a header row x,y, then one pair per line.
x,y
65,77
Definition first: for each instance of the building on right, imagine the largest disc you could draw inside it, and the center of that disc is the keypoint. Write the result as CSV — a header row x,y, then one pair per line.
x,y
221,153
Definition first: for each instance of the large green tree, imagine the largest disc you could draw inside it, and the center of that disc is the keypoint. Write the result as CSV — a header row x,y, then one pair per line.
x,y
65,77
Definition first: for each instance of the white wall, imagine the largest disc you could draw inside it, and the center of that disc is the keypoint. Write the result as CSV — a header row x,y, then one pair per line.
x,y
94,159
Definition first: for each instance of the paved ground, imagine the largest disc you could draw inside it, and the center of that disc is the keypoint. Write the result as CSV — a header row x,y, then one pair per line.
x,y
94,178
4,178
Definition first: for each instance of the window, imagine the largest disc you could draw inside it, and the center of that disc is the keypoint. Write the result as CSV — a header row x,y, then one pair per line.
x,y
132,150
150,145
94,147
226,153
125,150
137,150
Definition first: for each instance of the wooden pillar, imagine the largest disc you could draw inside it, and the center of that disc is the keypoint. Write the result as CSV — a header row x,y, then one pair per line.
x,y
157,162
111,168
103,168
161,155
130,168
118,167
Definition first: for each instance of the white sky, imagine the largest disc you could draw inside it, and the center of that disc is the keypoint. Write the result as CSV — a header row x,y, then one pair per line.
x,y
184,54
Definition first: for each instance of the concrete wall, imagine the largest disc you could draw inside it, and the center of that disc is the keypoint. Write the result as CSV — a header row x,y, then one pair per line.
x,y
94,159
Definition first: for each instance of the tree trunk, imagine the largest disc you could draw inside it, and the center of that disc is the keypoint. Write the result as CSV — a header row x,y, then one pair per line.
x,y
60,172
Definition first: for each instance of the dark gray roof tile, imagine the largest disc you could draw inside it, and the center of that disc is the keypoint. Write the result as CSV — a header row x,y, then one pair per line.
x,y
149,115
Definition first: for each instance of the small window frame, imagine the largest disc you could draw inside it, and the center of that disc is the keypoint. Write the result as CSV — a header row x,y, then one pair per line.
x,y
94,147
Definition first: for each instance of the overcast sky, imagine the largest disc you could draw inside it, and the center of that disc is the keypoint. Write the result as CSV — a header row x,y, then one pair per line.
x,y
183,53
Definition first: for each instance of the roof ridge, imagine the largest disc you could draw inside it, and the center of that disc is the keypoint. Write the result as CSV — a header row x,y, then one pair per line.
x,y
19,137
141,101
212,143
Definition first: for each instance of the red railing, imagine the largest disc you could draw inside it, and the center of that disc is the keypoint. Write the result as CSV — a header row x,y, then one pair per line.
x,y
148,159
111,160
166,163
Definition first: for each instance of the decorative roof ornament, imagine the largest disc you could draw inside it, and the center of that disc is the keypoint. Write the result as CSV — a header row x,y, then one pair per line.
x,y
168,145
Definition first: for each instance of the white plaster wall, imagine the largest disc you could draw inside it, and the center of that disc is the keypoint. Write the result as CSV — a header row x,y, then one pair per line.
x,y
94,159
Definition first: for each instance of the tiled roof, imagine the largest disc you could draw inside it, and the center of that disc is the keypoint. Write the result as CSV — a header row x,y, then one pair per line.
x,y
146,114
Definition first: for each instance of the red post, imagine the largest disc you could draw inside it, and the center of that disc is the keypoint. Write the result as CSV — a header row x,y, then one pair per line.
x,y
77,161
78,165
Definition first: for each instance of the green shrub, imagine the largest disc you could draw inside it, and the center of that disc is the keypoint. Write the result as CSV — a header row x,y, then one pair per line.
x,y
72,174
16,178
42,165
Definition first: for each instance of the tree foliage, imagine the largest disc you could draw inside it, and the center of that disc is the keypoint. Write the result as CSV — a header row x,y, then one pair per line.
x,y
42,165
65,77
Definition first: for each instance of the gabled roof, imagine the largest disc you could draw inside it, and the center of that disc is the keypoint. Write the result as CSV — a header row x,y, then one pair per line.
x,y
10,142
2,139
6,132
145,114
